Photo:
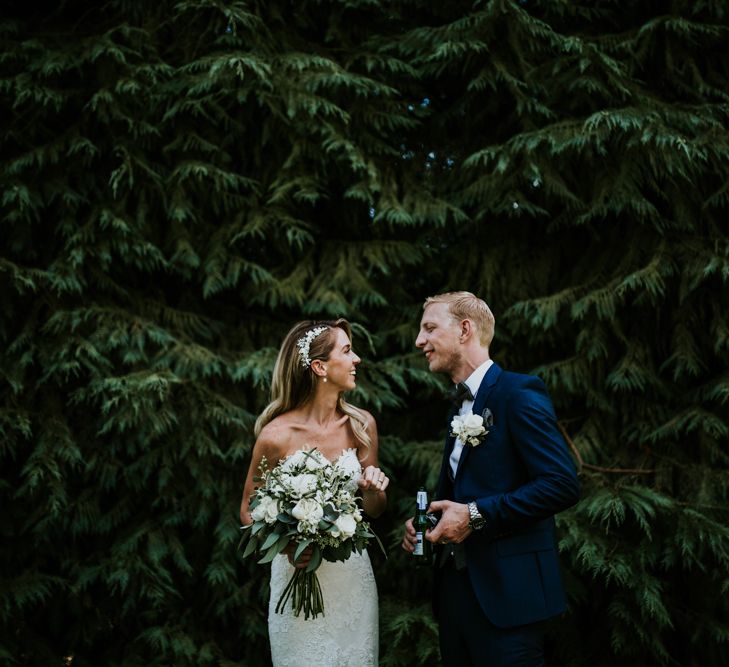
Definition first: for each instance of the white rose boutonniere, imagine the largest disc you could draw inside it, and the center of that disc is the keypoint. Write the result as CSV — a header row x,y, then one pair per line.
x,y
471,429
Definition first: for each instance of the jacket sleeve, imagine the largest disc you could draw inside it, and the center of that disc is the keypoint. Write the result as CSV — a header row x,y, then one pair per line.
x,y
550,484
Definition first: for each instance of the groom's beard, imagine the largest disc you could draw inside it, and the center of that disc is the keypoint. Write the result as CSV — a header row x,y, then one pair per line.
x,y
448,363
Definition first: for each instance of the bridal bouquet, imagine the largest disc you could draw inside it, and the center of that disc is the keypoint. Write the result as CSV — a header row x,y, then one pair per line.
x,y
308,501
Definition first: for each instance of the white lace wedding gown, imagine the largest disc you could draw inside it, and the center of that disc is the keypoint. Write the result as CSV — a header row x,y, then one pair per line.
x,y
347,635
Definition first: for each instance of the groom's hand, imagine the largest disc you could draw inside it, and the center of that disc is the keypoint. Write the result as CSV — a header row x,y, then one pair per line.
x,y
453,524
409,539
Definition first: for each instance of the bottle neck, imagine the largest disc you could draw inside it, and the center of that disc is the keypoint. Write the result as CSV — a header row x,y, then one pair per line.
x,y
422,500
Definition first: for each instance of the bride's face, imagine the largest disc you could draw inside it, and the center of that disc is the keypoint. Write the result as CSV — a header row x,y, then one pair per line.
x,y
342,363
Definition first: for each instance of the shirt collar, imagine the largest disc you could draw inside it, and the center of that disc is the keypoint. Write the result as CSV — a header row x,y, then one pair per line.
x,y
473,381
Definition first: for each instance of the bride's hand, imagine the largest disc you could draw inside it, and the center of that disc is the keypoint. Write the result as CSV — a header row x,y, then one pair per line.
x,y
304,558
373,480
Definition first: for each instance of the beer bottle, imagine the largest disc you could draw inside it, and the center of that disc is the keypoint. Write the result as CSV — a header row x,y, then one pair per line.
x,y
423,548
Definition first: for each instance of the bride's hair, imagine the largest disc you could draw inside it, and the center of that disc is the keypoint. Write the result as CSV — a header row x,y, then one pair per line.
x,y
293,383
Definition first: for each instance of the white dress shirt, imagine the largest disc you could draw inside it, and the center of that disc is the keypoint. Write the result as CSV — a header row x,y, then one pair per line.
x,y
473,382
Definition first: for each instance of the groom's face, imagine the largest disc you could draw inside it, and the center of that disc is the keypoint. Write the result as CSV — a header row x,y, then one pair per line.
x,y
438,338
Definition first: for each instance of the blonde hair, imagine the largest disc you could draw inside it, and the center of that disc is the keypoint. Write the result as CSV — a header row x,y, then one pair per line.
x,y
294,384
467,306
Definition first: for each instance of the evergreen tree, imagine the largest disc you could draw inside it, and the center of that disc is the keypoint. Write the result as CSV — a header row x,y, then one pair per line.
x,y
587,145
184,180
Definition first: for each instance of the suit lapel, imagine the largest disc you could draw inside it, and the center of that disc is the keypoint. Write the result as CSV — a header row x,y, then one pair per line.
x,y
479,403
444,480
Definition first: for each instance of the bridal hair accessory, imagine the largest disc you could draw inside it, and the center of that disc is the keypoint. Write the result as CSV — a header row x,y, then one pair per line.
x,y
305,342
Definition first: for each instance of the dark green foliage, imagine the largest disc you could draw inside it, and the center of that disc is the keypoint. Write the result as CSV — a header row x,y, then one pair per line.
x,y
182,181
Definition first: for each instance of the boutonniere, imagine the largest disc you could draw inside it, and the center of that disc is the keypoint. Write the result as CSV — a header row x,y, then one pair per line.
x,y
471,429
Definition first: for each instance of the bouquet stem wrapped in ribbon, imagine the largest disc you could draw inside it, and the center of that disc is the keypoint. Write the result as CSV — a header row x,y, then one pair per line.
x,y
308,501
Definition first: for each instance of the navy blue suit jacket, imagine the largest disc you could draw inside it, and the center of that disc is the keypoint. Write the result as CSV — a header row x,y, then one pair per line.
x,y
520,476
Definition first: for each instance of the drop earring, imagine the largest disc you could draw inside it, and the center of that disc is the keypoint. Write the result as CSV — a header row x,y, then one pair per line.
x,y
324,379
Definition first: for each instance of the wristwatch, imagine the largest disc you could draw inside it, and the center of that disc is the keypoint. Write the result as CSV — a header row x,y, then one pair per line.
x,y
476,522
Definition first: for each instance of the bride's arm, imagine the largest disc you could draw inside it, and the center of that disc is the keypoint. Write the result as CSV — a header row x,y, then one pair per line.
x,y
373,482
264,446
270,445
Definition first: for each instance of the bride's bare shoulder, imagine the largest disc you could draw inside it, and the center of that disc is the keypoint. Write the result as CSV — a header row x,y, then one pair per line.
x,y
275,438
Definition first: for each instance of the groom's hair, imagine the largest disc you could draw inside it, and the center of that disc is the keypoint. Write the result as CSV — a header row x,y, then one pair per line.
x,y
467,306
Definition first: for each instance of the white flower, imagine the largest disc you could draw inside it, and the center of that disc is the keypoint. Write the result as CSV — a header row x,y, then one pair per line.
x,y
301,485
346,525
307,510
295,460
316,460
266,510
473,423
323,496
348,463
344,497
468,428
279,483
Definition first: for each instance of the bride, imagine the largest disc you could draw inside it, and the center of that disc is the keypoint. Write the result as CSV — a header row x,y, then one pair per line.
x,y
314,367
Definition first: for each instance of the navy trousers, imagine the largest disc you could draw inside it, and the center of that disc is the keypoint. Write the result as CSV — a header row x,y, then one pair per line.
x,y
468,639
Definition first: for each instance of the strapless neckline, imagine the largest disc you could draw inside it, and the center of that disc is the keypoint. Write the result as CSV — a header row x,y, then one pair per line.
x,y
333,461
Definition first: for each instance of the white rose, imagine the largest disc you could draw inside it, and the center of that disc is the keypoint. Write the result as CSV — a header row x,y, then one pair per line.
x,y
346,524
348,463
456,423
302,485
316,460
473,424
468,428
267,510
293,461
308,511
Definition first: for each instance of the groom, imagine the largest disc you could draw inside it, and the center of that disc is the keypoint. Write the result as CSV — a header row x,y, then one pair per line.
x,y
497,572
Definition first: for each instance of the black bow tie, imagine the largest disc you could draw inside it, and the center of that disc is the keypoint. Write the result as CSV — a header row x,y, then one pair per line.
x,y
461,393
